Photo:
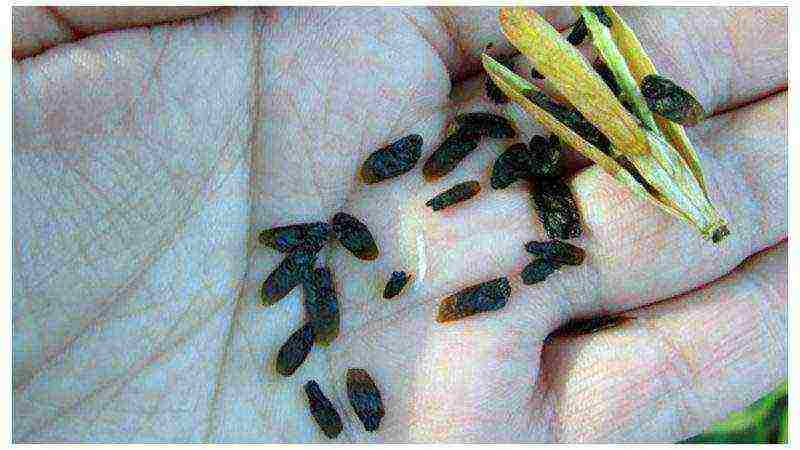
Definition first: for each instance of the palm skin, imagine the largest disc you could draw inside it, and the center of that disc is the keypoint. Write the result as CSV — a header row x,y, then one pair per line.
x,y
146,161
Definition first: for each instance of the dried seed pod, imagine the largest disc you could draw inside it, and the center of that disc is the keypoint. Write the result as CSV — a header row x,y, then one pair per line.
x,y
488,296
578,32
365,398
397,281
538,270
393,160
492,91
556,208
295,350
486,124
512,165
671,101
601,15
322,410
322,305
287,238
558,251
572,118
605,73
547,161
458,193
535,74
354,236
578,327
450,152
289,273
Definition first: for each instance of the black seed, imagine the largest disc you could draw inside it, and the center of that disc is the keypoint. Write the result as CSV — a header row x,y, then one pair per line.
x,y
354,236
572,118
289,273
322,410
289,237
295,350
393,160
578,32
365,398
538,270
558,251
601,15
489,296
535,74
512,165
605,73
556,208
485,124
577,327
322,305
395,284
547,160
450,152
719,234
458,193
671,101
492,91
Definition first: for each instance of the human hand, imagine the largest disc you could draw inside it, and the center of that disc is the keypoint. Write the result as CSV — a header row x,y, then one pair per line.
x,y
146,161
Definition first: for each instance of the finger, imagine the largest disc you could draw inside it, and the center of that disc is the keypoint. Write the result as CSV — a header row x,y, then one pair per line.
x,y
680,366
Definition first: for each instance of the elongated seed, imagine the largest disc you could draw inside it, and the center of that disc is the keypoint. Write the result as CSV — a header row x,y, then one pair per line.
x,y
538,270
512,165
492,91
456,194
601,15
488,296
556,208
450,152
671,101
322,410
547,159
295,350
289,273
354,236
572,118
578,32
578,327
321,305
392,160
365,398
287,238
486,124
396,283
558,251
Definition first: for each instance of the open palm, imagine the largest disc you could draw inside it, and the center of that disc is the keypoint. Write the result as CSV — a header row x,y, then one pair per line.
x,y
146,161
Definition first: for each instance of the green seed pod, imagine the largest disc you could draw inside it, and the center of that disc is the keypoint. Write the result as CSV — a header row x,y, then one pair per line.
x,y
558,251
354,236
393,160
456,194
578,32
322,410
671,101
322,305
601,15
486,124
287,238
492,91
295,350
605,73
449,154
488,296
365,398
289,273
556,208
395,285
538,270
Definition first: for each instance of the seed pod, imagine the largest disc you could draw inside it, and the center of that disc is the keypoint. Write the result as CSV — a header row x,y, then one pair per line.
x,y
393,160
488,296
558,251
578,327
395,284
322,305
556,208
354,236
578,32
601,15
289,273
492,91
289,237
572,118
605,73
295,350
486,124
513,164
547,161
450,152
535,74
458,193
538,270
322,410
365,398
671,101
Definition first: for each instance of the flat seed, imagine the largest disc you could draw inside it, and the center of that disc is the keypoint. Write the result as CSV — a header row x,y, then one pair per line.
x,y
601,15
486,124
572,118
393,160
450,152
558,251
456,194
289,273
671,101
547,160
578,32
322,305
489,296
538,270
287,238
397,281
322,410
605,73
295,350
354,236
365,398
492,91
512,165
578,327
556,208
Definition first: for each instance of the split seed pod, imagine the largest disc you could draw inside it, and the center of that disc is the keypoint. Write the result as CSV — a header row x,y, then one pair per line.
x,y
393,160
488,296
354,236
295,350
321,305
658,149
496,95
365,398
456,194
322,410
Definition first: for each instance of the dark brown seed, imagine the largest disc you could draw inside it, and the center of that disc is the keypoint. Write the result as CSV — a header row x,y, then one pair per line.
x,y
365,398
720,234
489,296
547,160
289,273
605,73
601,15
538,270
450,152
295,350
322,410
492,91
486,124
354,236
558,251
289,237
512,165
456,194
395,284
556,208
578,327
578,32
393,160
535,74
671,101
322,305
572,118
